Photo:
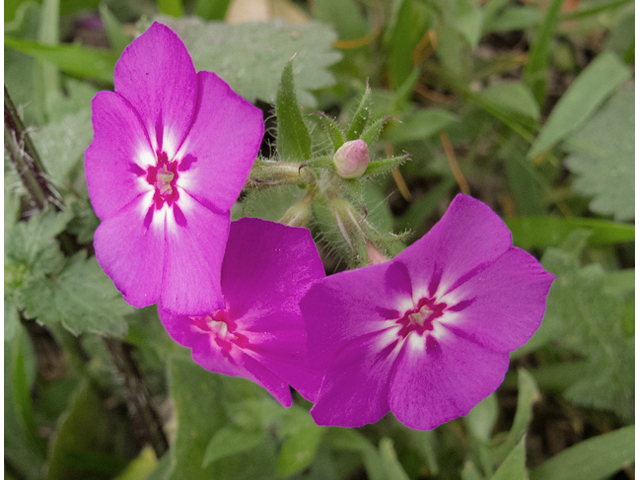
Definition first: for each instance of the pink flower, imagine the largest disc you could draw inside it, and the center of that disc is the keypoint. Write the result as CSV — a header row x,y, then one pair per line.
x,y
428,334
170,153
259,334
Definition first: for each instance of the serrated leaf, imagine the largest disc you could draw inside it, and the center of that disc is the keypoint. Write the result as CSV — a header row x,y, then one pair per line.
x,y
31,245
299,450
583,318
250,57
593,459
602,156
421,125
61,144
292,141
594,84
230,440
81,297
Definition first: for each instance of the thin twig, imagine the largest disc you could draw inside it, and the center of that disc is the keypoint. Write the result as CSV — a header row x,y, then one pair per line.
x,y
453,163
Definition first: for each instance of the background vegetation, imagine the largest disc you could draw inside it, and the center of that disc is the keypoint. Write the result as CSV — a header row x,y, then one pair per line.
x,y
527,105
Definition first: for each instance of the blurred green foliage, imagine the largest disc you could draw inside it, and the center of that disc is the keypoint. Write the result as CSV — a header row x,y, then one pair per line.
x,y
528,105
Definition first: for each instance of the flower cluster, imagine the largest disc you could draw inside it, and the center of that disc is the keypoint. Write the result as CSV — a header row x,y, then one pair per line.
x,y
425,335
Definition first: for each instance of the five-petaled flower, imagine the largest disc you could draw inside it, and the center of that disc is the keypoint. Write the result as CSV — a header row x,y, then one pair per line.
x,y
428,334
170,153
259,334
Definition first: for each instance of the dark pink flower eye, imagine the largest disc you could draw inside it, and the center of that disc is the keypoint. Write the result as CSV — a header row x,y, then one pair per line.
x,y
171,151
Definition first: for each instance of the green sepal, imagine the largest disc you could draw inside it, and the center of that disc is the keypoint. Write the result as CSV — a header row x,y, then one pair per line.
x,y
372,133
386,164
320,162
332,130
361,117
293,141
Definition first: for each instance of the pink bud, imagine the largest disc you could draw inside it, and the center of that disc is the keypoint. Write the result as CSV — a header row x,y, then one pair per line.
x,y
351,159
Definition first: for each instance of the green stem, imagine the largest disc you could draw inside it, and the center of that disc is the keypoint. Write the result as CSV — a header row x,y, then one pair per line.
x,y
25,158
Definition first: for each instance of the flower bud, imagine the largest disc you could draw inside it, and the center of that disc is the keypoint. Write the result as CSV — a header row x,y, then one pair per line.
x,y
296,215
351,159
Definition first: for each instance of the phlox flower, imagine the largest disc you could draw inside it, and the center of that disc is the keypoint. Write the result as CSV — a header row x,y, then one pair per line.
x,y
259,334
170,153
426,335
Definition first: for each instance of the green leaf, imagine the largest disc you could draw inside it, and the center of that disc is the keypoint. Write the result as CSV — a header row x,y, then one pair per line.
x,y
250,57
61,144
513,467
352,441
269,204
535,71
593,459
526,182
78,451
583,318
141,466
468,21
390,463
31,246
385,165
360,117
513,97
197,395
620,282
481,420
372,132
299,450
79,61
602,156
344,15
292,141
230,440
81,297
531,232
423,207
113,29
527,395
515,18
421,125
594,84
410,25
172,8
332,130
46,75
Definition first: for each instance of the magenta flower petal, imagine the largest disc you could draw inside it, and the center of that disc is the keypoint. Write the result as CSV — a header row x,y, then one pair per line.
x,y
259,333
223,141
179,145
156,74
429,333
117,130
134,261
492,318
467,238
361,366
436,381
195,239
